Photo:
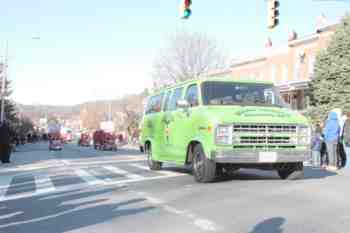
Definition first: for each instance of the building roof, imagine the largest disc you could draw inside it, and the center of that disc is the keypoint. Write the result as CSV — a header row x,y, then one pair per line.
x,y
280,50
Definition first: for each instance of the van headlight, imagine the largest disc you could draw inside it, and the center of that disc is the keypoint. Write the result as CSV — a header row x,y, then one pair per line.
x,y
223,134
304,135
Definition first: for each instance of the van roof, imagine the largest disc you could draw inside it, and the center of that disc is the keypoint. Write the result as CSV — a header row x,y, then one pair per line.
x,y
204,79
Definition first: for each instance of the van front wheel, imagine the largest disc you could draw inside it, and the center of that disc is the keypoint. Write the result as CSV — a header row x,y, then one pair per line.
x,y
203,168
153,165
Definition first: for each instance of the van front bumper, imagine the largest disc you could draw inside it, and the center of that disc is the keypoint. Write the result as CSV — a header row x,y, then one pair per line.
x,y
230,156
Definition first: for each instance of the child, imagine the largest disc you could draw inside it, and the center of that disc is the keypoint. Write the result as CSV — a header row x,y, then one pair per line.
x,y
316,143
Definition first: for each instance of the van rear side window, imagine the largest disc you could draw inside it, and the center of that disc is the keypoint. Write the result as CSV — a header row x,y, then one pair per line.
x,y
166,101
154,104
174,98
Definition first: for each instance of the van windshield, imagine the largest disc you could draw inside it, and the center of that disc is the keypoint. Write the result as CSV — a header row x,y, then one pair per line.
x,y
227,93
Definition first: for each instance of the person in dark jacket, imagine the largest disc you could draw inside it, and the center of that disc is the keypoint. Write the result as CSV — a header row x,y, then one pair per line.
x,y
331,136
5,142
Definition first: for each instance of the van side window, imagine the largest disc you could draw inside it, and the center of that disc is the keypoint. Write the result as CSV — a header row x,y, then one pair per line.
x,y
167,100
174,98
192,95
154,104
149,105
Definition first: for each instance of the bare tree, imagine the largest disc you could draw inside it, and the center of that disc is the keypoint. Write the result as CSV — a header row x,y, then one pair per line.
x,y
132,119
187,56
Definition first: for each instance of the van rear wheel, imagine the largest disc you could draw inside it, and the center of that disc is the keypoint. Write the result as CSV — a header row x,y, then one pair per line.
x,y
203,168
292,171
153,165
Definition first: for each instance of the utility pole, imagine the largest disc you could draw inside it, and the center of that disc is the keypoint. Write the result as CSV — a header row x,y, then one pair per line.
x,y
3,84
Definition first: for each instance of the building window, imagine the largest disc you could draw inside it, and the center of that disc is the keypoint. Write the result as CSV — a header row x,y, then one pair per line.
x,y
285,73
273,73
311,68
297,68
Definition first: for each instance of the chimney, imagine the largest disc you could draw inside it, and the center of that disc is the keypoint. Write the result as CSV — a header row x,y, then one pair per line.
x,y
321,22
268,43
292,36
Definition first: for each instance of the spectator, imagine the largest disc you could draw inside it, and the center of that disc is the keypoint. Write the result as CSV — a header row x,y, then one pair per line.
x,y
316,146
341,147
5,143
346,135
331,136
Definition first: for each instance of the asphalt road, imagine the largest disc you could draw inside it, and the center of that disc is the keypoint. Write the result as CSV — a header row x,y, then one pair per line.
x,y
83,190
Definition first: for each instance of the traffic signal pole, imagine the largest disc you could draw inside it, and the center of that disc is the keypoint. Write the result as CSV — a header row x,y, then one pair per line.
x,y
3,84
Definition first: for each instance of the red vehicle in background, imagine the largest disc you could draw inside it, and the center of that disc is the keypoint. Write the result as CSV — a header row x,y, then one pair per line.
x,y
98,139
104,140
68,137
84,140
55,141
109,142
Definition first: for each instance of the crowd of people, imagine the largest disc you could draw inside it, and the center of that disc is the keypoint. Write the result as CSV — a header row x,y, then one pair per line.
x,y
10,139
331,141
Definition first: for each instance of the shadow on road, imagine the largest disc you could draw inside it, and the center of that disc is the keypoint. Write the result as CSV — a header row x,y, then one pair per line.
x,y
317,173
271,225
64,211
252,174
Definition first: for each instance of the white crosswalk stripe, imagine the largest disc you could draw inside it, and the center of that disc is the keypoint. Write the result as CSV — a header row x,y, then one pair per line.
x,y
43,183
168,173
88,178
123,172
5,182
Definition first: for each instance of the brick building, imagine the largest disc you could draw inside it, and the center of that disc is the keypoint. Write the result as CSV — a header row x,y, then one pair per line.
x,y
290,67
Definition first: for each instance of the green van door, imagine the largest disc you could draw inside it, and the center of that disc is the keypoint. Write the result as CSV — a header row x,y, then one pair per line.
x,y
182,124
172,131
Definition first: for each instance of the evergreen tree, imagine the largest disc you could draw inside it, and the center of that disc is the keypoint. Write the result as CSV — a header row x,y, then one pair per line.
x,y
10,107
330,87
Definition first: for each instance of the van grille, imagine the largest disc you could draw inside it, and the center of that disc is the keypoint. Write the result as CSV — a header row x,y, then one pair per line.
x,y
264,140
262,135
256,128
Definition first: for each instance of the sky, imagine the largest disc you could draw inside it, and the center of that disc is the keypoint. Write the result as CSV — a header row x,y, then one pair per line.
x,y
91,50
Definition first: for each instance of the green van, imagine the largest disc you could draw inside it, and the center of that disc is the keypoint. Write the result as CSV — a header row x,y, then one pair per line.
x,y
219,125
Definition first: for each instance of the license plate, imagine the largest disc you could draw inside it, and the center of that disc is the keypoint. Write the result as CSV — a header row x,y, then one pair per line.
x,y
267,157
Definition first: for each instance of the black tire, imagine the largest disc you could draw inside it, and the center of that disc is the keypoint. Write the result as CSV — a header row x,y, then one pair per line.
x,y
292,171
204,169
152,164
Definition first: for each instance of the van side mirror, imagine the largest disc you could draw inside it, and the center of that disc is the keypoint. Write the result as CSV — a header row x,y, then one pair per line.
x,y
182,104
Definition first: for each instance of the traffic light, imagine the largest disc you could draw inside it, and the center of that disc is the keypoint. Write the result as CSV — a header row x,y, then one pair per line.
x,y
273,13
185,10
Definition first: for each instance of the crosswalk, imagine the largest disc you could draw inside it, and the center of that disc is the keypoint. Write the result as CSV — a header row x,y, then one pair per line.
x,y
38,183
